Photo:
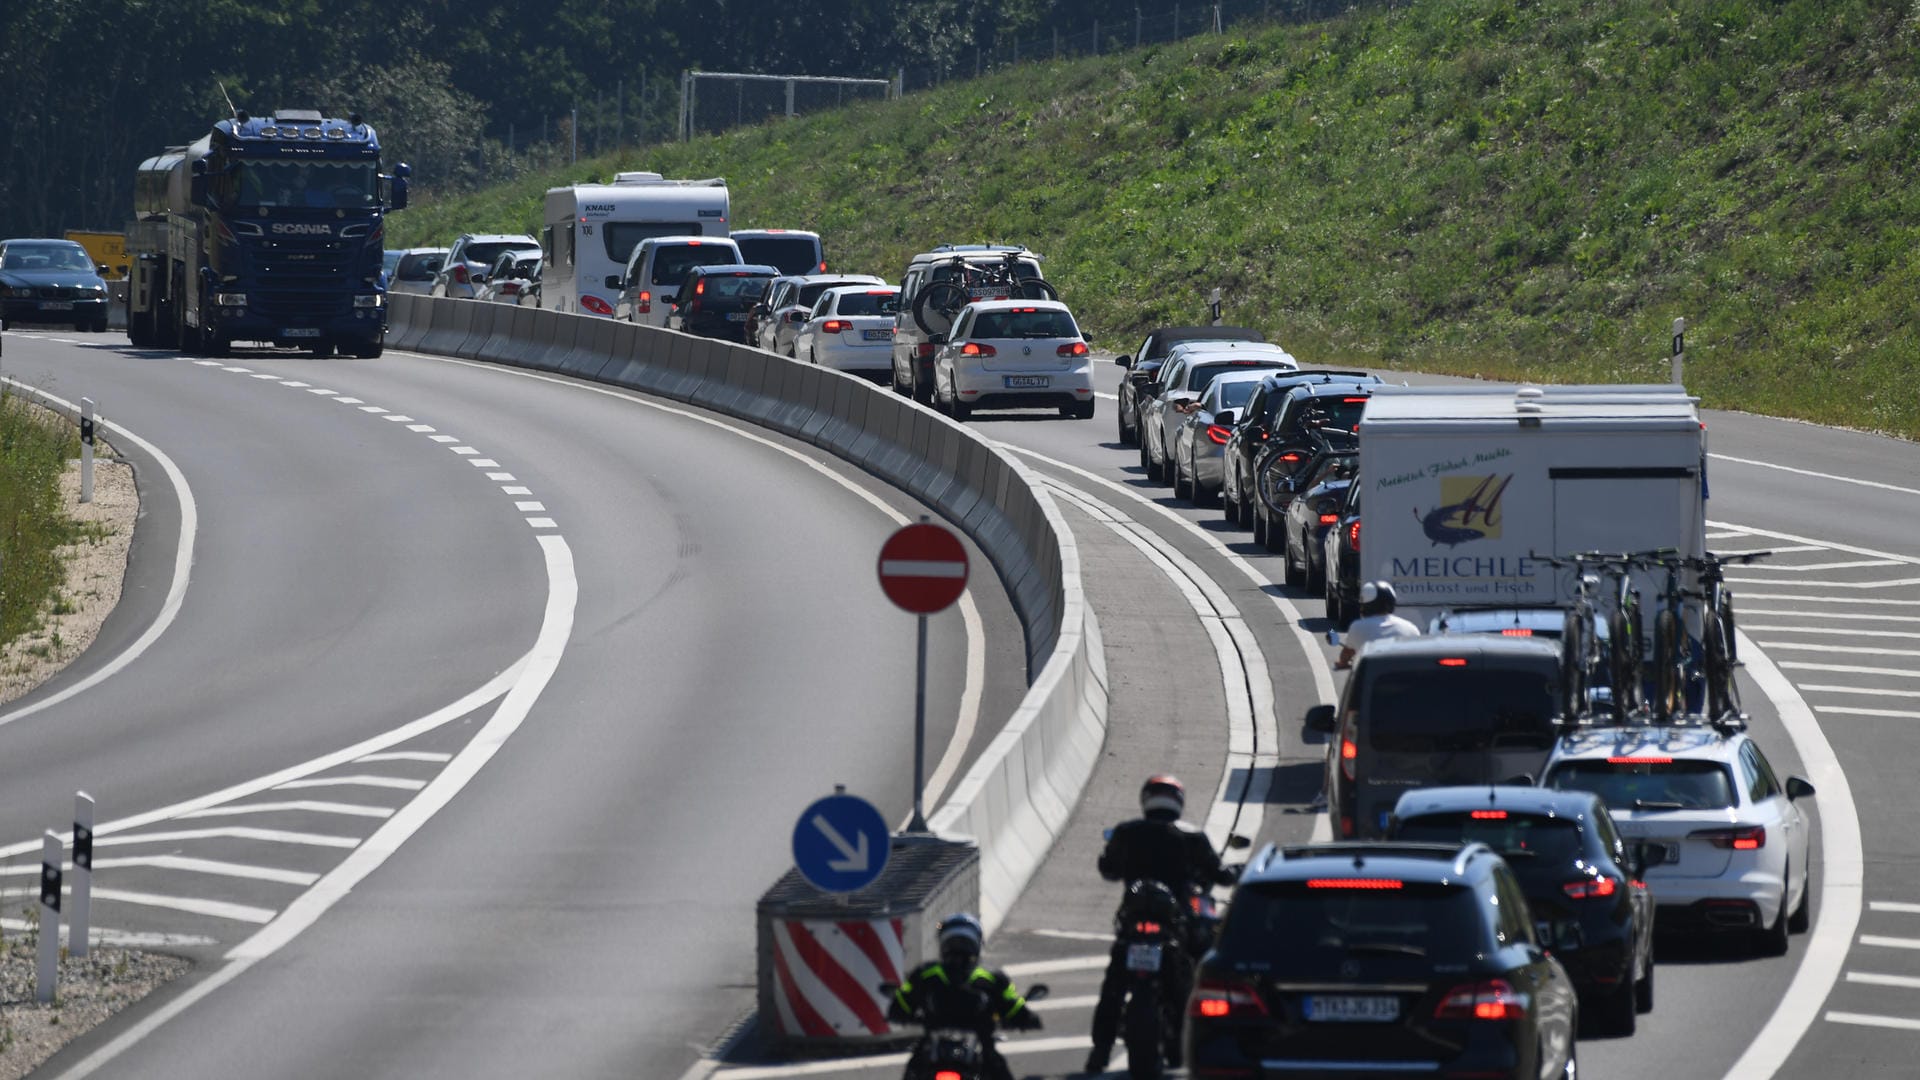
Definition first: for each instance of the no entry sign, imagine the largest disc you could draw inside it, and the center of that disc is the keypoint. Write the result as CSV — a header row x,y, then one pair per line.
x,y
923,568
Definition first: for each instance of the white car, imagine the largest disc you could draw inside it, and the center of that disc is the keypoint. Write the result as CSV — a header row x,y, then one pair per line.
x,y
465,268
1733,840
1014,354
851,329
776,320
1189,368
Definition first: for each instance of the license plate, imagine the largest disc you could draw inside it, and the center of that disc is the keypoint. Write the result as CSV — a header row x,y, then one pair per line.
x,y
56,305
1143,958
736,316
997,292
875,335
1028,382
1352,1009
300,331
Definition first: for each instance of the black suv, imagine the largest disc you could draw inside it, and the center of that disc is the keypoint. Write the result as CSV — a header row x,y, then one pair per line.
x,y
1144,361
1583,882
1380,959
714,301
1267,424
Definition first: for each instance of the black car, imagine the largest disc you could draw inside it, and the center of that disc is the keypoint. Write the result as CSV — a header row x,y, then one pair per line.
x,y
1265,423
51,281
1384,959
713,301
1340,562
1317,498
1144,361
1292,470
1584,883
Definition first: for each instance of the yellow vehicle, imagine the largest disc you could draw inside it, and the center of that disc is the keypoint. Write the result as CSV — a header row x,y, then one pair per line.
x,y
108,249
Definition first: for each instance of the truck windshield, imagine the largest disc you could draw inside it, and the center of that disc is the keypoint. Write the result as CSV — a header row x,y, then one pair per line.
x,y
322,185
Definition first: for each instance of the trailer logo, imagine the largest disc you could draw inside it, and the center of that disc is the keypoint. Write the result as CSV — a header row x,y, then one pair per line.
x,y
302,230
1469,510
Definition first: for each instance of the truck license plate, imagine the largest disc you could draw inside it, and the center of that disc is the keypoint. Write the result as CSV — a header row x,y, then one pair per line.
x,y
1352,1009
1143,958
56,305
1028,382
301,331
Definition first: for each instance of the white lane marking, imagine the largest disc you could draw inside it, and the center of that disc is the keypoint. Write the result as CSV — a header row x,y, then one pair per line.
x,y
1851,669
1816,475
1891,583
296,806
1780,549
1801,568
974,683
1847,710
218,909
375,409
270,378
1895,906
516,489
404,755
1055,967
398,418
892,1062
176,590
322,392
922,568
483,463
127,939
464,451
396,783
1856,650
542,523
189,865
1069,935
537,507
1811,688
196,363
241,370
1907,982
1056,1004
1726,534
228,832
351,401
1851,616
294,383
1848,600
442,438
422,428
1833,545
1836,631
1869,1020
556,628
1841,876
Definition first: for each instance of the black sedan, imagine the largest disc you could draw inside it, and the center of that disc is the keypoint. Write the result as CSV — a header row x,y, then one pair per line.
x,y
1583,881
1142,363
1314,509
1340,562
51,281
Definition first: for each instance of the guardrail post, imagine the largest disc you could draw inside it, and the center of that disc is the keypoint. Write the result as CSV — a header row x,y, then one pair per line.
x,y
50,861
86,450
82,900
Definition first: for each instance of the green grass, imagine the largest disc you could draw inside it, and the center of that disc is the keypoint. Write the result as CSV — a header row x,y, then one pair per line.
x,y
34,449
1503,188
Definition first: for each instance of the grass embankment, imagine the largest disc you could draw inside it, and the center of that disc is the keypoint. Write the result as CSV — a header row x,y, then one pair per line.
x,y
1496,187
34,450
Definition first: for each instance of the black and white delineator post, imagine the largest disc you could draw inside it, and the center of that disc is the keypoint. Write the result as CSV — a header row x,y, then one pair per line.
x,y
923,569
51,857
86,450
81,900
1679,349
1213,309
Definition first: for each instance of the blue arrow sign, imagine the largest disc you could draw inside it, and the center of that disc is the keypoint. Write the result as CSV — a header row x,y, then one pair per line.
x,y
840,843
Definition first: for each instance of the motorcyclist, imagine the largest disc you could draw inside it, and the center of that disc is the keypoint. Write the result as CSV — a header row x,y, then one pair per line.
x,y
1156,846
1377,622
956,992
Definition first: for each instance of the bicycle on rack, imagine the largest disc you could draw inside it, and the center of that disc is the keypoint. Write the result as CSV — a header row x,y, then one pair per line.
x,y
1626,640
1718,641
1581,657
968,280
1672,646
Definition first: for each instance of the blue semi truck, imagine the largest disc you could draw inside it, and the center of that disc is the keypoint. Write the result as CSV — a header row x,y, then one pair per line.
x,y
268,229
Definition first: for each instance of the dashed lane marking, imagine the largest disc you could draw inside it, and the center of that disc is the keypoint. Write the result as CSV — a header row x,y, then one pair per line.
x,y
1848,710
350,400
538,507
442,439
374,409
541,523
516,489
1871,979
1850,616
1885,942
1896,583
501,478
1854,650
397,783
1867,690
231,832
297,806
421,428
1801,568
1896,906
489,463
398,418
1837,631
1848,600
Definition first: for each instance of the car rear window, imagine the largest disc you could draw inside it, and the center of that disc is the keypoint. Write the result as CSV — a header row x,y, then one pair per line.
x,y
621,237
1024,268
735,286
1314,932
1235,394
1024,323
672,261
1648,784
1328,411
792,254
1449,709
418,267
884,302
1201,376
489,253
1532,844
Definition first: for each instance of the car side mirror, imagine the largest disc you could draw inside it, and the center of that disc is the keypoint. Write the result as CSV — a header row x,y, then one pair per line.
x,y
1038,991
1086,337
614,281
1237,842
796,316
1124,360
936,339
1798,788
101,269
1225,417
1320,719
1520,779
398,187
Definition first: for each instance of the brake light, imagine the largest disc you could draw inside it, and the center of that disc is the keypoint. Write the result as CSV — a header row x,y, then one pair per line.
x,y
700,287
1453,661
1639,760
946,1074
1328,519
1289,456
1219,435
1354,400
835,326
1353,534
1494,999
1741,838
1597,888
1217,998
1516,631
974,348
596,305
460,275
923,350
1146,927
823,266
1077,348
1368,883
643,303
1023,310
1489,815
509,288
694,243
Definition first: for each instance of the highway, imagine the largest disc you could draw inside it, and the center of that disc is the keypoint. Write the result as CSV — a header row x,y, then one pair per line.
x,y
594,881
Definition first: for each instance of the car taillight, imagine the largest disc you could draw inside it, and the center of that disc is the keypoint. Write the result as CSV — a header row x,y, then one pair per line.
x,y
1365,884
1215,999
823,266
1640,759
1219,435
1516,631
974,348
1594,888
596,305
924,350
1494,999
835,326
1453,661
643,303
1328,519
1146,927
1740,838
509,288
460,275
1353,534
1489,815
1076,348
946,1074
1349,750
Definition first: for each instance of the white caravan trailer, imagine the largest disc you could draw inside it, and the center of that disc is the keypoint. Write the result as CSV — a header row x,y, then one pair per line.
x,y
591,229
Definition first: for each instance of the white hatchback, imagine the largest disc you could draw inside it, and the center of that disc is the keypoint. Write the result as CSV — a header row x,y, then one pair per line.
x,y
850,328
1014,354
1733,842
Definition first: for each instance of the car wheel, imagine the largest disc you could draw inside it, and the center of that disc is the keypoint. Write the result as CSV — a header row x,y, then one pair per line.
x,y
1146,459
956,408
1801,918
1617,1011
1121,434
1182,486
1310,570
1775,939
1291,572
1274,536
921,394
1083,410
1643,990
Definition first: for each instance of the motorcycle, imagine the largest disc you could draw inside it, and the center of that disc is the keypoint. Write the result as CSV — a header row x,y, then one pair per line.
x,y
1152,934
949,1051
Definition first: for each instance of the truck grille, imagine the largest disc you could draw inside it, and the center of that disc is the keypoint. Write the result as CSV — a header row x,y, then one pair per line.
x,y
303,280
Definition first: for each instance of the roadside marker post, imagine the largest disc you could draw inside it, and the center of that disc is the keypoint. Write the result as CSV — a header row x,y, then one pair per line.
x,y
86,450
50,861
78,921
923,569
1679,349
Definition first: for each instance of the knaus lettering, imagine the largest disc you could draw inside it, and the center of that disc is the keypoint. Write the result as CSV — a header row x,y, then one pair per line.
x,y
302,229
596,208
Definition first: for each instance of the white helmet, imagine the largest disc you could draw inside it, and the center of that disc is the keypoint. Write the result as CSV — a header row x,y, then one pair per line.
x,y
1377,596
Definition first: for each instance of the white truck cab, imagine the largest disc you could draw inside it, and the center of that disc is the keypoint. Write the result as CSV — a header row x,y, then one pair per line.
x,y
590,231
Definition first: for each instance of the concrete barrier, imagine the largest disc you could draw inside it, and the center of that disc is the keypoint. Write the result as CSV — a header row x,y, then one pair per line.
x,y
1016,798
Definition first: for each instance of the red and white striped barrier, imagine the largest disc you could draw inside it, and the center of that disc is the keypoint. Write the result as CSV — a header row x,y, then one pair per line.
x,y
827,975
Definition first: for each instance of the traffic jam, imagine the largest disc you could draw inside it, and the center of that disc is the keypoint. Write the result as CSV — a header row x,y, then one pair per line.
x,y
1538,756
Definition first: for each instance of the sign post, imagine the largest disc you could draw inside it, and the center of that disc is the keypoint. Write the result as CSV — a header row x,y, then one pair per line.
x,y
923,569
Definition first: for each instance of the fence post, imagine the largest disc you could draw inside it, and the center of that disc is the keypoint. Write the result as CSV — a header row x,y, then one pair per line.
x,y
50,862
81,922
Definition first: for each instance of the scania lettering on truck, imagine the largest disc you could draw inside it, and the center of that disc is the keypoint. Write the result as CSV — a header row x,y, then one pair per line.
x,y
591,230
268,229
1465,486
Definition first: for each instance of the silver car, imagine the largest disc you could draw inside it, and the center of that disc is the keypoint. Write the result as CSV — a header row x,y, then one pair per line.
x,y
1200,442
775,322
1190,366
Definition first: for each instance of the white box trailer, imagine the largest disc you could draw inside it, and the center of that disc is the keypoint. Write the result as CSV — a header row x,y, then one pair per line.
x,y
591,229
1465,484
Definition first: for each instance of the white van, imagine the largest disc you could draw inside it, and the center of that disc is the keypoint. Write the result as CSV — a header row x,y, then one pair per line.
x,y
591,230
656,268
